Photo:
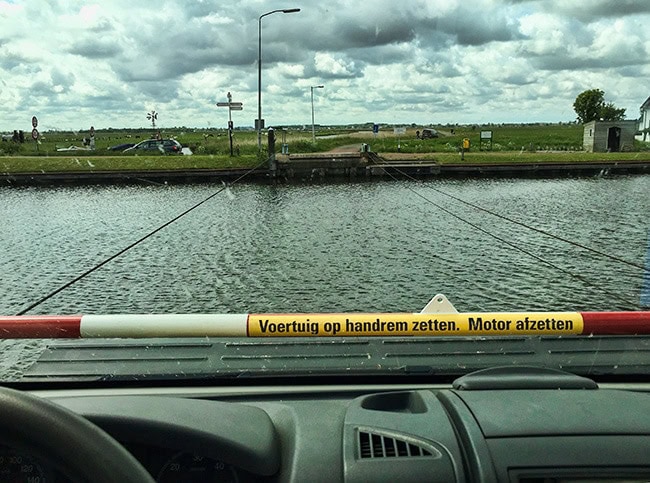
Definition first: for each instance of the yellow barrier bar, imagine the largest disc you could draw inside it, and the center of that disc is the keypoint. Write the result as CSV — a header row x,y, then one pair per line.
x,y
408,324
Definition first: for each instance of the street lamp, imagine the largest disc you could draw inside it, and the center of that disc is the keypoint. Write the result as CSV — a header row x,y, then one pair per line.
x,y
313,129
259,122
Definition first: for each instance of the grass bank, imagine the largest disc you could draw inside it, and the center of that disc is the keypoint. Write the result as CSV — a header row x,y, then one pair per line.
x,y
530,143
63,164
509,157
75,163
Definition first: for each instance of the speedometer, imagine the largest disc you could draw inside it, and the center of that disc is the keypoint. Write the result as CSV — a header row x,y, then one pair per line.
x,y
16,467
188,467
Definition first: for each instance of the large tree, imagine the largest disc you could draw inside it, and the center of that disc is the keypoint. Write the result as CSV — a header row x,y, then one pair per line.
x,y
609,112
590,105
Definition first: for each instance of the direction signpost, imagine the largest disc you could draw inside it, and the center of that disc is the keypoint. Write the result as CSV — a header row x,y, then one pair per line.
x,y
232,106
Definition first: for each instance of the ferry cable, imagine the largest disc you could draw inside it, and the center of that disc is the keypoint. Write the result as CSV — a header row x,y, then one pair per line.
x,y
584,280
520,223
137,242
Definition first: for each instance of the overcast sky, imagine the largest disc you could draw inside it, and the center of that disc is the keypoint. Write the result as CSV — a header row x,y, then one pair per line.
x,y
75,64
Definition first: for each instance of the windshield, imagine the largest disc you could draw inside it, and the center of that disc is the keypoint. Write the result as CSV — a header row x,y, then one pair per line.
x,y
339,164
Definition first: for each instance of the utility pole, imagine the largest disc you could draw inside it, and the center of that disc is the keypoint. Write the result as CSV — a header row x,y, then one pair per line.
x,y
259,122
313,128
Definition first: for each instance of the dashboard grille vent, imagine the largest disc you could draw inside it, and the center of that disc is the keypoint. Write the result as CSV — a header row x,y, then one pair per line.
x,y
375,445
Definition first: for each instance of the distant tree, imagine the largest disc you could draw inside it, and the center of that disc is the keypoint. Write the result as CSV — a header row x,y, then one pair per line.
x,y
590,105
609,112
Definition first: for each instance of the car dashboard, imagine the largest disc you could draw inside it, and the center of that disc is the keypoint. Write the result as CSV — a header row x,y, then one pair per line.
x,y
502,427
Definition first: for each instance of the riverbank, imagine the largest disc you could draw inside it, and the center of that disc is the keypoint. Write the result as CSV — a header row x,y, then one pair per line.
x,y
178,169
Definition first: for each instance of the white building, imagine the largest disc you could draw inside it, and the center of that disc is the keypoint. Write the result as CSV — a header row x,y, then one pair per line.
x,y
644,122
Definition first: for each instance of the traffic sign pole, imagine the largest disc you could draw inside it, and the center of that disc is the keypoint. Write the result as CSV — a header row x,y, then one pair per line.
x,y
230,122
232,106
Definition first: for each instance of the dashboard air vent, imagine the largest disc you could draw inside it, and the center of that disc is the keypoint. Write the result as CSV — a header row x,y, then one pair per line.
x,y
376,445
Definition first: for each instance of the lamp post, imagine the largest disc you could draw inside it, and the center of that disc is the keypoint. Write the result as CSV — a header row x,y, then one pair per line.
x,y
313,128
259,121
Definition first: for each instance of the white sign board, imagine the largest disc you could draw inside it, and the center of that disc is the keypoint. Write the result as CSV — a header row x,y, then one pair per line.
x,y
486,134
399,131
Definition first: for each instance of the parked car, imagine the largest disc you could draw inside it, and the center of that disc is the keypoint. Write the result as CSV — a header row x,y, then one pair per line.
x,y
165,146
429,133
121,147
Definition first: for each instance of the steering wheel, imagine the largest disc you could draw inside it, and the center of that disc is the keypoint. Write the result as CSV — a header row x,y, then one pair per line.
x,y
65,440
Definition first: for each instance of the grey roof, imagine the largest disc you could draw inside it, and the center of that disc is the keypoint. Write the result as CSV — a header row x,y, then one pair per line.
x,y
646,104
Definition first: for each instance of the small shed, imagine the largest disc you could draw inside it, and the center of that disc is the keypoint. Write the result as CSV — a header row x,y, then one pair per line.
x,y
609,136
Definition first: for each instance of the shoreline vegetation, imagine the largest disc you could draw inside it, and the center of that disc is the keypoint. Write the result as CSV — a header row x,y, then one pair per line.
x,y
102,164
523,144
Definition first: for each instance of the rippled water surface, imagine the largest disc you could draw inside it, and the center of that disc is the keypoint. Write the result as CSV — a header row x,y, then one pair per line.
x,y
371,246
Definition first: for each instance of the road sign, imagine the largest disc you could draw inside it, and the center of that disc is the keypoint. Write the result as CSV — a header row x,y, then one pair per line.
x,y
34,133
92,131
232,106
34,122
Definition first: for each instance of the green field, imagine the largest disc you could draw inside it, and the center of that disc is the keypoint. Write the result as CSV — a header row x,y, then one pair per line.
x,y
212,141
510,144
215,141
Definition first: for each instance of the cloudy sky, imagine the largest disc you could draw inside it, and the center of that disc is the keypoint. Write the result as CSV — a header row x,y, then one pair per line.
x,y
75,64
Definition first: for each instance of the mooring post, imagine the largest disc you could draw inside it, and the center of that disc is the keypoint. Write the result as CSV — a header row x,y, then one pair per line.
x,y
273,165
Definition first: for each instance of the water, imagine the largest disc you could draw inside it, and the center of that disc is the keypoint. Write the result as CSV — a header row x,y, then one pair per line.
x,y
371,246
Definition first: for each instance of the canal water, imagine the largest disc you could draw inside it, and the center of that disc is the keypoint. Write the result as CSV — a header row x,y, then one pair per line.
x,y
367,246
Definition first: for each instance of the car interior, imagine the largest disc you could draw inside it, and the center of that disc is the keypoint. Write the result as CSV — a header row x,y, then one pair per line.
x,y
520,423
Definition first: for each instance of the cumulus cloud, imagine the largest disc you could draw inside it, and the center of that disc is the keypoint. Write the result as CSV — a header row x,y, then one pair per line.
x,y
493,59
471,28
331,66
13,60
557,43
598,9
95,49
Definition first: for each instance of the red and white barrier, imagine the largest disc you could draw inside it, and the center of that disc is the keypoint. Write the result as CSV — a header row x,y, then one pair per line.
x,y
324,325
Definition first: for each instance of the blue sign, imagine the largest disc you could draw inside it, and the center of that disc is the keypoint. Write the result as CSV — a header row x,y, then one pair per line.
x,y
375,128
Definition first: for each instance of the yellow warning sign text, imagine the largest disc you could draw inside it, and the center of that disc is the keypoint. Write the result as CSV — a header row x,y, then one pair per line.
x,y
406,324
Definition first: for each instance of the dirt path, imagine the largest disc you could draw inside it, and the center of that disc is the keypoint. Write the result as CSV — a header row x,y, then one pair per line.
x,y
348,148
